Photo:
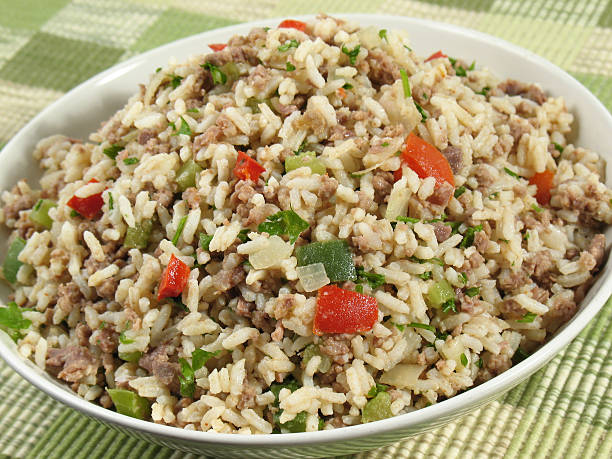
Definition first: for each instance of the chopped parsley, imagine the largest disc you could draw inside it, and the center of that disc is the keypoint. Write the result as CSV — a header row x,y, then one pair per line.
x,y
184,129
494,195
468,236
217,75
205,241
464,360
179,230
175,81
479,362
558,147
288,45
526,236
405,83
352,54
537,208
111,202
242,235
385,144
399,218
528,318
408,48
347,86
102,325
74,213
193,110
511,173
199,357
157,69
449,305
122,337
112,151
423,326
472,291
484,91
463,277
459,191
375,389
289,383
426,275
382,33
284,222
12,320
519,356
400,327
454,226
436,261
359,288
423,113
130,161
373,279
289,67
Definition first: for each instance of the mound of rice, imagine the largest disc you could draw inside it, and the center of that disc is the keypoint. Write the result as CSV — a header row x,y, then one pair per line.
x,y
236,352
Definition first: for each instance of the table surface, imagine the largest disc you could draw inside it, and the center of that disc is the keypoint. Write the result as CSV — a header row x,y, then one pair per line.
x,y
49,46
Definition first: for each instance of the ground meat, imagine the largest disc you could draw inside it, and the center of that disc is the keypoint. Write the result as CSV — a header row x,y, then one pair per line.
x,y
475,260
247,397
69,296
328,187
145,135
263,321
283,306
561,310
337,347
597,248
442,231
284,110
278,333
22,202
540,267
454,156
192,197
258,214
509,280
106,339
82,332
211,135
76,362
243,192
472,305
382,181
481,241
365,201
498,363
163,197
539,294
442,194
24,226
259,78
518,88
382,68
228,278
157,362
108,362
107,288
484,175
244,308
330,376
510,309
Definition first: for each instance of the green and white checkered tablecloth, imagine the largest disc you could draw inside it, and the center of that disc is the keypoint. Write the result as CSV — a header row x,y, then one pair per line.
x,y
49,46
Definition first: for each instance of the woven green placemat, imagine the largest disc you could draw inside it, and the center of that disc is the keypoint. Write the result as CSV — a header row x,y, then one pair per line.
x,y
48,46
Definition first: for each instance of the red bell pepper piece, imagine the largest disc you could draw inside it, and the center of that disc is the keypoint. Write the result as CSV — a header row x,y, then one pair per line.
x,y
217,46
247,168
292,24
544,182
174,279
88,207
343,311
436,55
426,160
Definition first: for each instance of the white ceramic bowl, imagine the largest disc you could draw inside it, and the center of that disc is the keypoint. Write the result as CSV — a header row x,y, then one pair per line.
x,y
81,111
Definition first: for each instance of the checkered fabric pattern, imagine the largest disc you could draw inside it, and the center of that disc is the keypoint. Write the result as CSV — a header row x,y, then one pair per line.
x,y
49,46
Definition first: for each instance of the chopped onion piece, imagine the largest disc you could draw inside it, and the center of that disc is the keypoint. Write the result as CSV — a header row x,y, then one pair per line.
x,y
271,254
403,375
398,200
312,277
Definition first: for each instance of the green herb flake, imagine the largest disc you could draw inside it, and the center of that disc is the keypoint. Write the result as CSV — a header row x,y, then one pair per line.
x,y
217,75
122,338
284,222
426,275
179,230
184,129
375,389
11,318
289,67
347,86
463,277
558,147
74,213
113,151
459,191
422,326
526,236
423,113
464,360
399,218
479,363
111,202
193,110
472,291
472,66
359,288
175,81
382,33
449,305
205,241
408,48
352,54
102,325
186,379
288,45
528,318
289,383
400,327
242,235
130,161
468,236
511,173
157,69
484,91
374,280
519,356
405,83
385,144
537,208
199,357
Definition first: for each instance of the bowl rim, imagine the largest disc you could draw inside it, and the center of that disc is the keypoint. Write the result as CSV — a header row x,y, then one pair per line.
x,y
432,414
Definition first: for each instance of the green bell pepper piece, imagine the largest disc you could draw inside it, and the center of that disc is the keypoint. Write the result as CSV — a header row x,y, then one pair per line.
x,y
378,408
130,403
40,213
11,263
439,293
313,350
335,256
130,356
253,104
186,175
138,236
306,159
297,424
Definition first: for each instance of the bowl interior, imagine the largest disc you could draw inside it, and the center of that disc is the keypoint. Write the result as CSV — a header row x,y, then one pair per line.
x,y
83,109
